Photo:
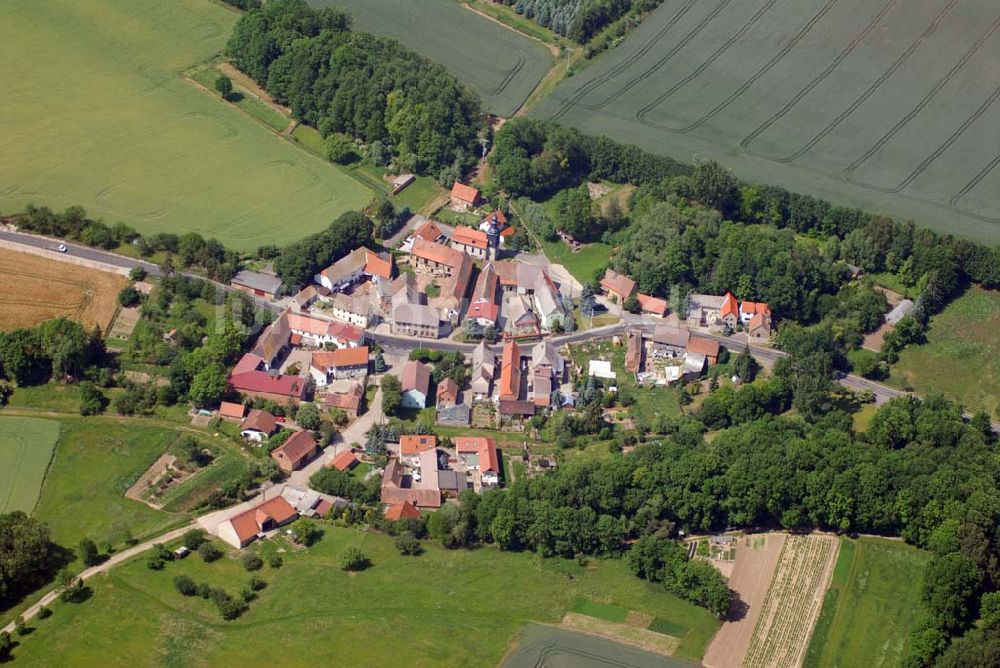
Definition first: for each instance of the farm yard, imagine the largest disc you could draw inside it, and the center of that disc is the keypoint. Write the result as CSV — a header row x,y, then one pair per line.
x,y
34,289
410,602
961,358
887,105
871,606
502,65
26,446
97,114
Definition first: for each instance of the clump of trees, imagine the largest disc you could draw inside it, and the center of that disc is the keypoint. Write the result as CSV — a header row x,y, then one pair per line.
x,y
299,262
28,557
56,349
358,85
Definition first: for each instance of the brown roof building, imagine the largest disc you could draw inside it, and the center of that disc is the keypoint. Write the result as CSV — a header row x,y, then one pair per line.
x,y
230,410
296,451
402,511
261,422
618,285
345,461
398,488
240,530
447,392
702,346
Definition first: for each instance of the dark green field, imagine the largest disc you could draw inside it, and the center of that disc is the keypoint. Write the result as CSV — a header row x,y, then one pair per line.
x,y
884,104
496,61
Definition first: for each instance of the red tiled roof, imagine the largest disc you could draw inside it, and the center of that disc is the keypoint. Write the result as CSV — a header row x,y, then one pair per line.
x,y
759,320
414,444
249,362
323,507
467,236
507,232
498,216
348,401
350,356
416,376
483,309
248,523
402,511
230,409
486,447
377,266
510,372
729,306
436,253
506,271
261,381
618,284
519,408
653,305
429,231
470,443
344,461
753,308
261,421
702,346
464,193
447,388
300,445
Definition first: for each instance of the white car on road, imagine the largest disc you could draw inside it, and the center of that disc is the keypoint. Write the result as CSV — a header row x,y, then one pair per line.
x,y
61,248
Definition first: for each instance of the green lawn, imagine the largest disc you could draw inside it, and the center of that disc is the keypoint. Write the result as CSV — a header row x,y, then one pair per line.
x,y
872,603
961,358
48,397
443,608
95,462
244,99
585,265
97,113
419,194
26,446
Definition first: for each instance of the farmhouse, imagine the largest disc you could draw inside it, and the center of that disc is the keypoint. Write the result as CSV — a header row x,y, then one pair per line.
x,y
652,305
704,310
510,373
699,345
416,384
520,320
296,451
258,426
316,332
463,197
438,259
671,340
447,392
352,268
750,309
241,530
273,342
729,313
412,446
348,400
469,241
483,367
760,326
429,231
339,364
416,320
257,284
399,487
619,286
308,296
353,309
633,351
263,385
480,454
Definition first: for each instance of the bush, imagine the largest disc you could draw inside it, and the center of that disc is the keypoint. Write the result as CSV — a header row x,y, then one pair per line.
x,y
354,560
6,644
252,562
275,561
408,545
204,590
137,274
209,551
306,531
88,553
19,626
256,584
92,400
185,585
128,296
194,538
155,562
44,612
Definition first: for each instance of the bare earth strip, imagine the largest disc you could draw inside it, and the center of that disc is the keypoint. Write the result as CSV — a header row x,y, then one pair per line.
x,y
793,602
35,289
623,633
751,579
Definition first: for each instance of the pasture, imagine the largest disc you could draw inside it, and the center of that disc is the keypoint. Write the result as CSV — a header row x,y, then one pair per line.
x,y
34,289
26,446
872,603
442,608
96,113
502,65
961,358
886,105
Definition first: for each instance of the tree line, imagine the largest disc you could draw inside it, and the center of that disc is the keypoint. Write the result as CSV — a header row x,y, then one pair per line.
x,y
579,20
369,88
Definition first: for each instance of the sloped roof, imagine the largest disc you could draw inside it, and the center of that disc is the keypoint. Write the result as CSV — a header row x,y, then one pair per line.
x,y
378,266
402,511
248,523
753,308
299,445
261,381
653,305
274,337
351,304
261,421
436,253
414,444
416,376
343,357
510,371
702,346
231,409
447,387
671,336
350,400
416,314
249,362
464,193
759,320
483,309
429,231
344,461
729,306
256,281
469,237
620,284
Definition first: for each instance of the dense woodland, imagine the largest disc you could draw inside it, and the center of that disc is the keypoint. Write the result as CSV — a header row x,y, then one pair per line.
x,y
369,88
579,20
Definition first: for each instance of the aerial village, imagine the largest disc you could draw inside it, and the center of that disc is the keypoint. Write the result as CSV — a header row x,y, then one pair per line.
x,y
510,319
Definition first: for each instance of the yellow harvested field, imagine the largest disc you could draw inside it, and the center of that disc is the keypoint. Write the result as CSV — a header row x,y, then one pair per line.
x,y
34,289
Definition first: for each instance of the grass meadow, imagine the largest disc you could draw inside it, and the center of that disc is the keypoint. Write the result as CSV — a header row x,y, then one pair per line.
x,y
882,105
961,358
96,113
871,605
26,446
443,608
502,65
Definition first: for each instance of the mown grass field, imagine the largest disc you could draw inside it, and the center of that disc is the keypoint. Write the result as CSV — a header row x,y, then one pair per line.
x,y
961,358
96,113
26,446
96,460
872,603
34,289
886,105
503,66
443,608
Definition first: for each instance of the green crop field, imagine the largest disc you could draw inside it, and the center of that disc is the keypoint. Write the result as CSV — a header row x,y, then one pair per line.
x,y
26,446
496,61
888,105
96,113
872,603
961,358
443,608
95,462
